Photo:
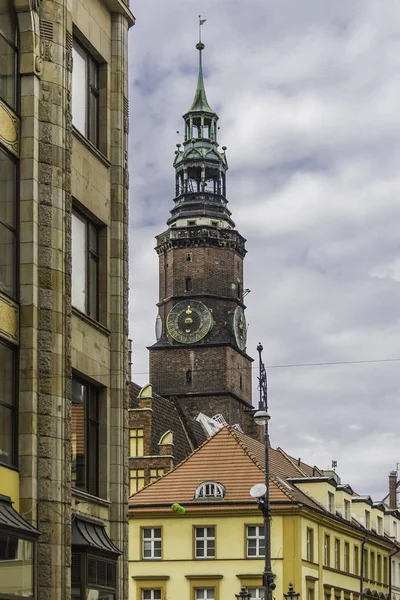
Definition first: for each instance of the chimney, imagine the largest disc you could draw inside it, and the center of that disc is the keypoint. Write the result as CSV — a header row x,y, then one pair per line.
x,y
392,489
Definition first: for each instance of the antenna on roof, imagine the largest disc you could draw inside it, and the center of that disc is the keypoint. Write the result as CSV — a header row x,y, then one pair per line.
x,y
334,465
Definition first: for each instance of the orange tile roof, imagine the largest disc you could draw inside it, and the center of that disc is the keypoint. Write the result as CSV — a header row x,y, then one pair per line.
x,y
232,459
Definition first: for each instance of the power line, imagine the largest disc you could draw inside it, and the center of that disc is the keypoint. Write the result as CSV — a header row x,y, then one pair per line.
x,y
216,369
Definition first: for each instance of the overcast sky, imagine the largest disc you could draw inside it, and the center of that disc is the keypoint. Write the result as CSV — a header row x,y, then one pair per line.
x,y
308,95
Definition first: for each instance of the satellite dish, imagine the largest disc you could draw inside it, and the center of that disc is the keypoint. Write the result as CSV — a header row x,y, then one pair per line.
x,y
159,328
258,491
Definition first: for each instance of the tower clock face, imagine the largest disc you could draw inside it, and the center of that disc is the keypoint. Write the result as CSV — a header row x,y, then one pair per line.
x,y
239,327
189,321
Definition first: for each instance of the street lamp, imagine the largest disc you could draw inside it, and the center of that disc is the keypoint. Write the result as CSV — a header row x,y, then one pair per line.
x,y
291,594
243,594
262,417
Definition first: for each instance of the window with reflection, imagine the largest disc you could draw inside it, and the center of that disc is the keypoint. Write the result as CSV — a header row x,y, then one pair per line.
x,y
8,53
85,436
7,225
16,566
7,405
85,265
85,93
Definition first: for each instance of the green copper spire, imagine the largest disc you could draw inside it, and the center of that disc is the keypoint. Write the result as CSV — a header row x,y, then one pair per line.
x,y
200,99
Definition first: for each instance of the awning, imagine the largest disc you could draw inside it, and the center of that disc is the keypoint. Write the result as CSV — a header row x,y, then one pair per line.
x,y
90,535
12,523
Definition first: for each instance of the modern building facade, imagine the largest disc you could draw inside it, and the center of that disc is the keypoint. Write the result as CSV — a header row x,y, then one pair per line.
x,y
325,540
63,298
200,357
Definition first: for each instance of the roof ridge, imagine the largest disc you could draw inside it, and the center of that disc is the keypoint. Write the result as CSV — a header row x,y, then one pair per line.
x,y
179,464
291,460
245,448
261,467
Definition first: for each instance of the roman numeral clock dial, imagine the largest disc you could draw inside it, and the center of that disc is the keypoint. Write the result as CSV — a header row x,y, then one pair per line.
x,y
189,321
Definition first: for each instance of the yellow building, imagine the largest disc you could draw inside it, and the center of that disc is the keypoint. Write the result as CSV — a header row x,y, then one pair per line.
x,y
320,539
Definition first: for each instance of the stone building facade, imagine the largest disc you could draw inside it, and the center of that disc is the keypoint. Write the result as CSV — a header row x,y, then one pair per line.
x,y
63,298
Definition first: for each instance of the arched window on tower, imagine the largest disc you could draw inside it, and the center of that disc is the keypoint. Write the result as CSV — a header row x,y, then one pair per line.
x,y
188,284
241,382
189,377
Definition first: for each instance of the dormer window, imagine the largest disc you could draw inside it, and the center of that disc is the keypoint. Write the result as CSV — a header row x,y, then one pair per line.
x,y
210,490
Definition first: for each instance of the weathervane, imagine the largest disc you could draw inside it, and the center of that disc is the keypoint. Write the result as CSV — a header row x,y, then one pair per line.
x,y
201,22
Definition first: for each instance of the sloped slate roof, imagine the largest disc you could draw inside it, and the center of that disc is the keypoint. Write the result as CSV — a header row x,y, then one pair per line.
x,y
13,523
167,417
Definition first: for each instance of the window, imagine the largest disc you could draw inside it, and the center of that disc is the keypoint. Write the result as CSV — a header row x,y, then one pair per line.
x,y
240,382
379,568
331,502
346,557
367,519
8,223
188,284
156,474
151,594
204,594
365,563
337,554
372,567
310,544
327,551
310,594
93,573
255,541
85,436
189,257
8,54
16,560
204,542
395,529
8,430
151,542
256,593
136,480
136,442
356,561
189,377
190,223
346,505
210,489
379,528
85,93
385,569
85,265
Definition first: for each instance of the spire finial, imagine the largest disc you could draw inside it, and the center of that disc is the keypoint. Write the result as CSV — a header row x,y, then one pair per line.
x,y
200,99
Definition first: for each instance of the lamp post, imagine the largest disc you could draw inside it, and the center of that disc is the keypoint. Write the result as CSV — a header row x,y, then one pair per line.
x,y
243,594
262,417
291,594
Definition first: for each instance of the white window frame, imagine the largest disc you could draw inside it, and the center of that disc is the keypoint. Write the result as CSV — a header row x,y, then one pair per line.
x,y
210,489
151,542
256,593
331,502
208,542
153,594
379,523
206,593
346,505
260,535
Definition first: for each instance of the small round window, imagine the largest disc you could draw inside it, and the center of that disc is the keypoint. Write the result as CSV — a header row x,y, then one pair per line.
x,y
210,490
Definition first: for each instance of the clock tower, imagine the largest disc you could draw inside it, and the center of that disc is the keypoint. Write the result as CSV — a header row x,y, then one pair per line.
x,y
200,359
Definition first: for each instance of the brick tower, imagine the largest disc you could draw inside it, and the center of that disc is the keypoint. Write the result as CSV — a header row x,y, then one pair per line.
x,y
200,357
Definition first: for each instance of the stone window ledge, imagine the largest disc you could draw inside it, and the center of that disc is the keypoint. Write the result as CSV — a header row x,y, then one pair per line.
x,y
95,324
90,498
91,147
